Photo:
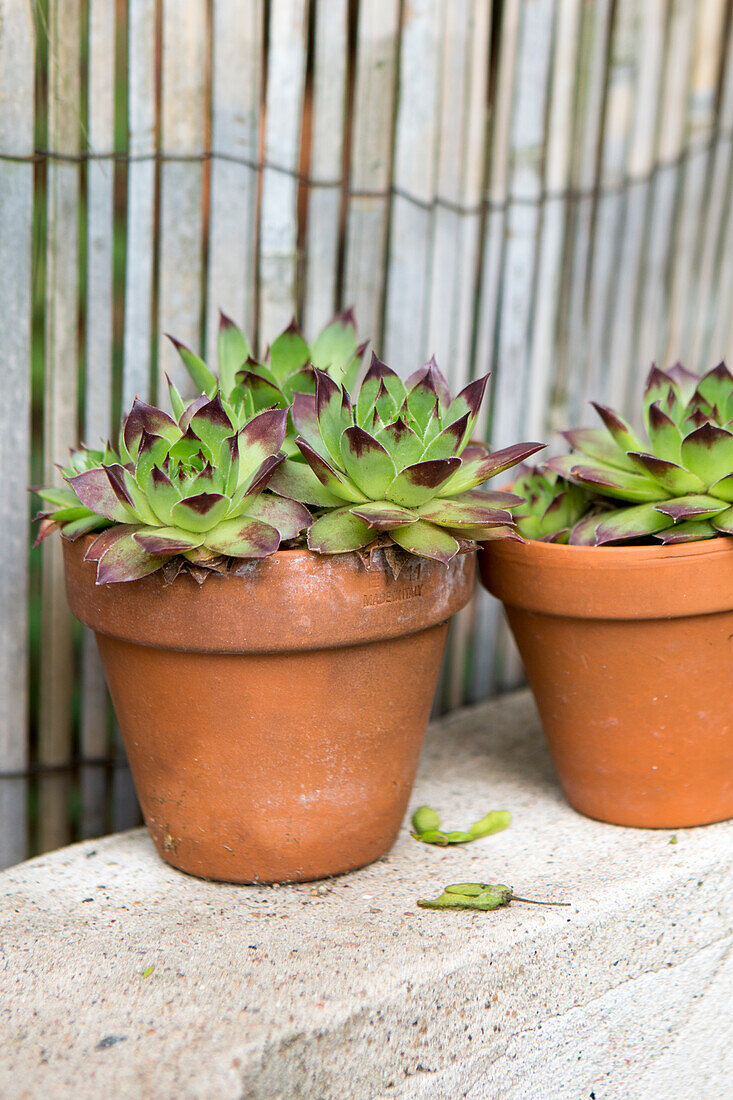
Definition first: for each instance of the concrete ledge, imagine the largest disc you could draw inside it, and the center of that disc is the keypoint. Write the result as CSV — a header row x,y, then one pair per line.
x,y
345,989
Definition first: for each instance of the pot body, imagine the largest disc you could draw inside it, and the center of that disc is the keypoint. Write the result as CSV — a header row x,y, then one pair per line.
x,y
629,653
273,722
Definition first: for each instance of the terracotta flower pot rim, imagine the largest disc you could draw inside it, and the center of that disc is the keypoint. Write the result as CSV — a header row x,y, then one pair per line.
x,y
293,600
611,582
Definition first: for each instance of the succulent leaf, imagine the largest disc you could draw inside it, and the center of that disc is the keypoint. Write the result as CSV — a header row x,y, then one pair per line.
x,y
288,517
723,489
200,512
620,430
288,353
621,524
96,492
427,541
691,506
382,515
339,484
125,560
366,462
332,414
202,377
436,381
297,481
475,470
400,442
687,531
244,537
378,377
460,513
723,522
166,540
335,345
232,351
664,435
708,453
716,388
450,441
597,444
612,482
672,478
338,532
419,483
467,402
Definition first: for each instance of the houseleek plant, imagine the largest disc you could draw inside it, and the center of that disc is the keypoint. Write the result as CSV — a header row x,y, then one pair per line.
x,y
672,484
257,460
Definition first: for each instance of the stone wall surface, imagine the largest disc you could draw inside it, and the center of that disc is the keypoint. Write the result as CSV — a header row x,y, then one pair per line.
x,y
345,989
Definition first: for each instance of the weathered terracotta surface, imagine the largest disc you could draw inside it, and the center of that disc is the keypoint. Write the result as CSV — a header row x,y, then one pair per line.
x,y
629,652
274,722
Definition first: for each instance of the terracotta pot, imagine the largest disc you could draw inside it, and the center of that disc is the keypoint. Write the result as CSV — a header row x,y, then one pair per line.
x,y
273,722
629,653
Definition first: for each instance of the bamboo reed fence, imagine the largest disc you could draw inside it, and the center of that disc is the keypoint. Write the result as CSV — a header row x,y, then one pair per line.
x,y
540,188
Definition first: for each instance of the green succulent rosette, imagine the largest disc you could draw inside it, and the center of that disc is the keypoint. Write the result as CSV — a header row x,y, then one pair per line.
x,y
186,492
249,386
397,462
552,505
674,485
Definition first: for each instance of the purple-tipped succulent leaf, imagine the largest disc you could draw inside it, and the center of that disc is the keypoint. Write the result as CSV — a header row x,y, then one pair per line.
x,y
288,517
143,417
623,434
419,483
468,401
201,376
297,481
166,540
339,532
98,493
449,442
474,471
332,414
689,531
427,541
402,444
212,425
708,453
672,478
459,513
596,444
382,515
337,484
244,537
434,378
366,462
125,560
614,482
692,506
261,437
665,436
201,512
621,524
303,412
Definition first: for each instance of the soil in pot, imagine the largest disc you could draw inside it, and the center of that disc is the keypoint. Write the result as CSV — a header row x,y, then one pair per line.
x,y
273,721
629,653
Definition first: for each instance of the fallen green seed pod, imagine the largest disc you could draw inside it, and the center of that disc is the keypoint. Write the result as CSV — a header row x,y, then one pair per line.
x,y
494,822
424,820
484,896
433,836
470,895
426,826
